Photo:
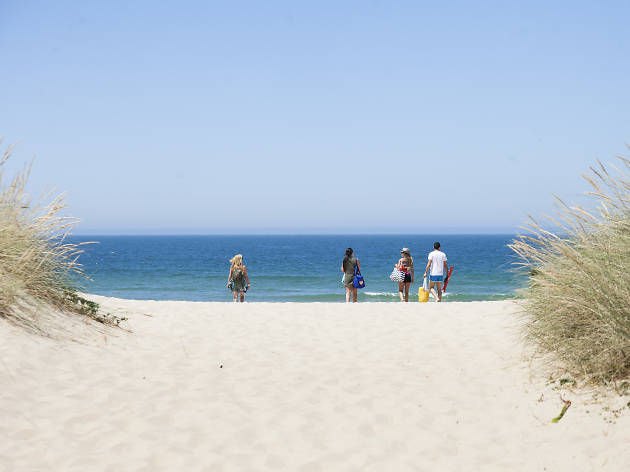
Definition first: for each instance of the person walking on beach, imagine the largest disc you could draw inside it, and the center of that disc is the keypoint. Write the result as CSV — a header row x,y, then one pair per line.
x,y
405,264
348,268
238,280
437,264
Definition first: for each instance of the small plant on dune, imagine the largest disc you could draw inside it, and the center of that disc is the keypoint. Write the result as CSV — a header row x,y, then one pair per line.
x,y
37,264
579,293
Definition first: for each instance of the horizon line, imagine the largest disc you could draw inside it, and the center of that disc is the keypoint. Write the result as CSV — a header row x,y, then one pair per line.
x,y
299,234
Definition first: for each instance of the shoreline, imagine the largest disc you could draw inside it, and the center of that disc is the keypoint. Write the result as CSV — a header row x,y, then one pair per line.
x,y
339,299
297,387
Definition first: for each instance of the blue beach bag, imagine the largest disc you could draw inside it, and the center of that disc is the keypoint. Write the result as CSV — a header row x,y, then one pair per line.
x,y
357,280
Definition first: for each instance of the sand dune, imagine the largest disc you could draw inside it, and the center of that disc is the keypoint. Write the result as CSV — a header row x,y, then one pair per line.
x,y
297,387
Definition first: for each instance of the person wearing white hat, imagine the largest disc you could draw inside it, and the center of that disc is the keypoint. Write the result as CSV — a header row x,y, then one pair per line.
x,y
405,264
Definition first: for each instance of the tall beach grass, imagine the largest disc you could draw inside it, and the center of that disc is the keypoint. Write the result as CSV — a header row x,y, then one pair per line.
x,y
579,293
37,264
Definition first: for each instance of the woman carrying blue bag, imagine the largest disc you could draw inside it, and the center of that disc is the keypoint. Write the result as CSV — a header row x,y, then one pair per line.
x,y
352,278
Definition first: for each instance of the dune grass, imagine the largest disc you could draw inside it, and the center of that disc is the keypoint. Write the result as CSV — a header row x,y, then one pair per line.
x,y
37,264
579,293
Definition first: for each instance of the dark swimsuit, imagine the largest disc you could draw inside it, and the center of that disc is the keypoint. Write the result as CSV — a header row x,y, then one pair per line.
x,y
407,275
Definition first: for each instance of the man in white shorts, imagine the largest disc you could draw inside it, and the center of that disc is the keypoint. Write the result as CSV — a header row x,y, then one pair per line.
x,y
437,263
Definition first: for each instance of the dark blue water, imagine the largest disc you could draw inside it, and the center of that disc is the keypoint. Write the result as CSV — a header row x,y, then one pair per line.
x,y
289,268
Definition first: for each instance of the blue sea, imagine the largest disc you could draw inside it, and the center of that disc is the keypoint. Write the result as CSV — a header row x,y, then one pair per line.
x,y
295,268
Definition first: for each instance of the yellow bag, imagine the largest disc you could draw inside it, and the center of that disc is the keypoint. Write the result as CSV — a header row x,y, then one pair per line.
x,y
423,293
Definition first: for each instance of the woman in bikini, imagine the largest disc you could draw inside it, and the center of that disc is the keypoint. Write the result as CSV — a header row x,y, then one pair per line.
x,y
238,280
405,264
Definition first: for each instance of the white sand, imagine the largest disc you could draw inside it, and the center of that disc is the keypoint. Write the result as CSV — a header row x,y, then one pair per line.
x,y
296,387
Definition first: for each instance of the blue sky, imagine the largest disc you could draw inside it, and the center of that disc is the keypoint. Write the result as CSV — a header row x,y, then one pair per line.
x,y
341,117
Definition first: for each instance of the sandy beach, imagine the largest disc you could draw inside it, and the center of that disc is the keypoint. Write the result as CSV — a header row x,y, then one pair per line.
x,y
297,387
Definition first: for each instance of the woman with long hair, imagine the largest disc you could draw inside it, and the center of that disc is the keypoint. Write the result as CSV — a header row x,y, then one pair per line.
x,y
348,268
405,264
238,280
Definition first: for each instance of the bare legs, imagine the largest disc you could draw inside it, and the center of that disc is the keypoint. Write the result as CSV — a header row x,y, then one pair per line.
x,y
236,296
403,286
438,295
351,291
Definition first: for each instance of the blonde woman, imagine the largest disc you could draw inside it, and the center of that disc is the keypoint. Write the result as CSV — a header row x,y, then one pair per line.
x,y
238,280
405,264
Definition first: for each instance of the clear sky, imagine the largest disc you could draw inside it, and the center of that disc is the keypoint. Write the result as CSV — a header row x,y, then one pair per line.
x,y
313,117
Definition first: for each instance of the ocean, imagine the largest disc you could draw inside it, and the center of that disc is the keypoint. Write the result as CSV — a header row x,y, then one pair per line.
x,y
290,268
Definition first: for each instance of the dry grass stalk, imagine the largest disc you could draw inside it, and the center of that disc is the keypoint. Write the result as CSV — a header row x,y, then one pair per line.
x,y
579,292
37,264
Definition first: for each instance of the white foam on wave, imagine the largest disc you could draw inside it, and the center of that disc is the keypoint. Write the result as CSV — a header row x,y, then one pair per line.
x,y
376,294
